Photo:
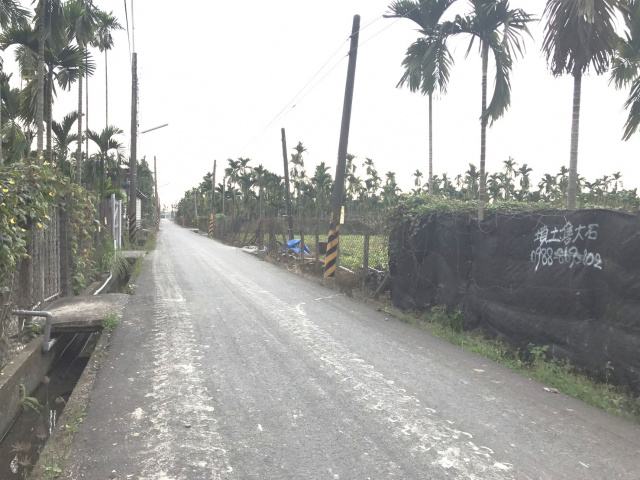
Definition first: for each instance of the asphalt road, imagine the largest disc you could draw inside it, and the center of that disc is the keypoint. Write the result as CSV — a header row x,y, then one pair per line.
x,y
227,367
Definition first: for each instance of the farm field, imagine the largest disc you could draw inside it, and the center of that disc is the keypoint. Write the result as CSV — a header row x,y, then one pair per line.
x,y
352,250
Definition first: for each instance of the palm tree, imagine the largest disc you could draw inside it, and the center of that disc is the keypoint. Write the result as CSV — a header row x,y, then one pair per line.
x,y
11,14
417,178
322,182
81,15
105,141
579,34
547,186
63,64
64,138
107,23
428,60
499,30
626,65
50,26
509,175
471,180
525,182
259,175
14,137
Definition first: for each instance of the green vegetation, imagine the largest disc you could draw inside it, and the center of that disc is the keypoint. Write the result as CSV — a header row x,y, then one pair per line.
x,y
110,322
533,362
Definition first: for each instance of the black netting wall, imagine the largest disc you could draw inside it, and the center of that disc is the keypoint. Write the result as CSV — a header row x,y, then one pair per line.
x,y
429,261
567,280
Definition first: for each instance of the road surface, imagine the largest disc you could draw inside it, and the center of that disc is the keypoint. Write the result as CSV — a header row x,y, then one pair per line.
x,y
228,367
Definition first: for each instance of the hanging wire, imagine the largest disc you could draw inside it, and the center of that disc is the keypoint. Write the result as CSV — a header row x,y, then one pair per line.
x,y
295,100
126,16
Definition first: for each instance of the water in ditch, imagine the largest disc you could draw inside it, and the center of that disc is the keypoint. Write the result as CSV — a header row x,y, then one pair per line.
x,y
21,447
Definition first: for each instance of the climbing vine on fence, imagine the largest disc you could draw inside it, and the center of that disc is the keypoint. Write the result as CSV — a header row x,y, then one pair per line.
x,y
27,194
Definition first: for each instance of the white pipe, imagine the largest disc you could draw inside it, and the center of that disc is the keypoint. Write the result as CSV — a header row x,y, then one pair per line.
x,y
105,283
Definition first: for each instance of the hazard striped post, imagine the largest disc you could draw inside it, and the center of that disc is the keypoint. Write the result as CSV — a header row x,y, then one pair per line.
x,y
211,225
331,261
133,227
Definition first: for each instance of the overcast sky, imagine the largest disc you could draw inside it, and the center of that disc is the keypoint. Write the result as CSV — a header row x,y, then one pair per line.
x,y
223,75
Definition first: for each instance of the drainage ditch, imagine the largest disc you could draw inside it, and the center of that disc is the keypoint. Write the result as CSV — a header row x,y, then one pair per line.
x,y
22,444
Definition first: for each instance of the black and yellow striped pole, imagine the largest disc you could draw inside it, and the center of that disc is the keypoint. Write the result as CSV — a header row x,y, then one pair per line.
x,y
132,227
211,225
331,261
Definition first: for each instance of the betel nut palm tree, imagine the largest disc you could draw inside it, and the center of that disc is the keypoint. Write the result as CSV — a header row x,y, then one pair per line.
x,y
428,62
11,14
499,31
63,140
81,15
106,24
63,64
626,66
51,27
579,34
105,141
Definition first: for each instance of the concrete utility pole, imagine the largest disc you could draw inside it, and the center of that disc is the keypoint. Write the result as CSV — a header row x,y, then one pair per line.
x,y
287,193
224,191
133,162
213,200
338,187
213,188
155,177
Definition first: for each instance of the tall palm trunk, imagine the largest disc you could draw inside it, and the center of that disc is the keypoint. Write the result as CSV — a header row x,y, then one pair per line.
x,y
1,143
79,150
430,144
106,90
483,131
49,112
40,94
575,130
86,110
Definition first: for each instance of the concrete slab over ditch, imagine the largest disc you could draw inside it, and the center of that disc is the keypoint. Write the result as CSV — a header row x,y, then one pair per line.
x,y
70,315
85,314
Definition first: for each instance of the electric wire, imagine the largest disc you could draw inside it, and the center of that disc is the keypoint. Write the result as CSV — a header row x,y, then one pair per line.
x,y
295,100
282,112
126,16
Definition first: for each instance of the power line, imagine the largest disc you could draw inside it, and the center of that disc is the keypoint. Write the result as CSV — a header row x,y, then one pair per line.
x,y
281,113
288,107
126,16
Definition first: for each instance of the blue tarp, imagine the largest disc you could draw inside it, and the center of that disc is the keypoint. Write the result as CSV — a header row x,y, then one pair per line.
x,y
295,246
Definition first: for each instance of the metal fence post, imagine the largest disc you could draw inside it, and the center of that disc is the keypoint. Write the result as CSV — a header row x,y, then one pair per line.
x,y
365,260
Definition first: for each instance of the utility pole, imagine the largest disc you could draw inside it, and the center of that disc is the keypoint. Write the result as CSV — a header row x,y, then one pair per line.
x,y
155,176
213,188
224,192
213,198
287,194
338,186
133,162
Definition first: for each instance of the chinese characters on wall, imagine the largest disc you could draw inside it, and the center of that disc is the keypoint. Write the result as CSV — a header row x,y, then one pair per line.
x,y
566,246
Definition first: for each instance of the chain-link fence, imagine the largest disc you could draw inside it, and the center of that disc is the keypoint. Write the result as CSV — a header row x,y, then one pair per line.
x,y
363,243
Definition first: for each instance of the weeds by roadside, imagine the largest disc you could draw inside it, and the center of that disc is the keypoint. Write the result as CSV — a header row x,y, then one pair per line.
x,y
110,322
561,375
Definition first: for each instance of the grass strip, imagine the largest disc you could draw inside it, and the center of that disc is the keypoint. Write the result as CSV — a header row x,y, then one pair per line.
x,y
533,362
